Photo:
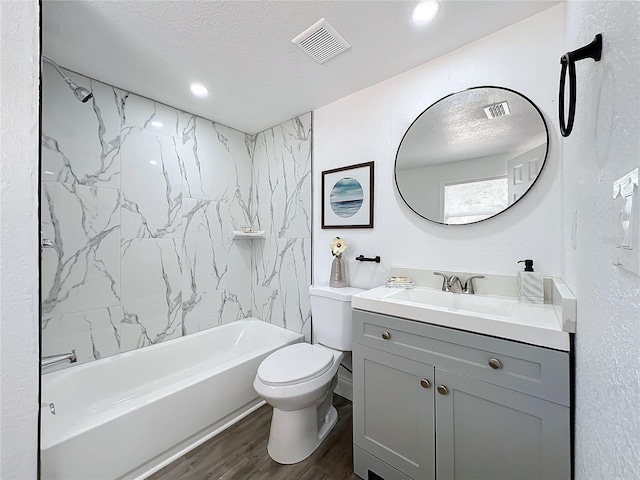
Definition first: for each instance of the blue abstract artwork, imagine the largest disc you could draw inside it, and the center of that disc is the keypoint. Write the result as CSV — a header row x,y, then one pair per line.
x,y
346,197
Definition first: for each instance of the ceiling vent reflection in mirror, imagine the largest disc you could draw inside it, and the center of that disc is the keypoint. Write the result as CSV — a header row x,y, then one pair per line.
x,y
497,110
321,41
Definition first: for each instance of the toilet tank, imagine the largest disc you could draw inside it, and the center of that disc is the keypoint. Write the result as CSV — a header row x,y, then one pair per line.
x,y
331,316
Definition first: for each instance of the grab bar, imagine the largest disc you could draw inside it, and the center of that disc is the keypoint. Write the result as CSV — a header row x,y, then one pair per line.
x,y
49,360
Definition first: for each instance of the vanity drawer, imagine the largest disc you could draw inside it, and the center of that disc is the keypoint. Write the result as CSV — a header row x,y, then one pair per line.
x,y
537,371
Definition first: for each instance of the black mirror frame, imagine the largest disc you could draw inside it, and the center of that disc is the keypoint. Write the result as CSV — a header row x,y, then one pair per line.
x,y
544,162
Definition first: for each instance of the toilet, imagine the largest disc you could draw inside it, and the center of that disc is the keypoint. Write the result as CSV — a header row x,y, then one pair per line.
x,y
298,380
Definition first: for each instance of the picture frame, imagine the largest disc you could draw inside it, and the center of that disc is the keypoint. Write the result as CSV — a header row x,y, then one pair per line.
x,y
347,196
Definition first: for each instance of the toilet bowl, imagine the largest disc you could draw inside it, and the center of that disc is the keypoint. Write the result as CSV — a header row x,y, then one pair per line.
x,y
298,380
298,383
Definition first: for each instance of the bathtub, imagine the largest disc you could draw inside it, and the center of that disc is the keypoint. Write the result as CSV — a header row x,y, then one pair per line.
x,y
129,415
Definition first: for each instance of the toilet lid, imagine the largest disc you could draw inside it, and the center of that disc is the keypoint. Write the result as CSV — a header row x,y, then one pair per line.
x,y
295,364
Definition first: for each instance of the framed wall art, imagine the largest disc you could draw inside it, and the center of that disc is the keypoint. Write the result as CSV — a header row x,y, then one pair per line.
x,y
347,197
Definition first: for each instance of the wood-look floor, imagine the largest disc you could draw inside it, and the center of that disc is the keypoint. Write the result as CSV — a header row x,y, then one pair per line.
x,y
240,452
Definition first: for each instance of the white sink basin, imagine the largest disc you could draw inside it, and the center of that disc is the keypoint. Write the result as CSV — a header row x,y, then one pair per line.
x,y
493,305
499,316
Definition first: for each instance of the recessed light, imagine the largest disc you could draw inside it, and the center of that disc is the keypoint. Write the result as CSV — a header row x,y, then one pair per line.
x,y
153,162
199,90
425,11
156,124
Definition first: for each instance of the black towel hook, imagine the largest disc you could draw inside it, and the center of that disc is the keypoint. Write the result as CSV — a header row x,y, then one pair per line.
x,y
568,61
362,258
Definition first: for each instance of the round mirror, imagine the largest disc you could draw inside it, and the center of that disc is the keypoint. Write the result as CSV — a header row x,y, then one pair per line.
x,y
471,155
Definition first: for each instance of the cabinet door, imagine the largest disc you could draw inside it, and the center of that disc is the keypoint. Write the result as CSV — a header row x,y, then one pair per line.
x,y
393,416
486,432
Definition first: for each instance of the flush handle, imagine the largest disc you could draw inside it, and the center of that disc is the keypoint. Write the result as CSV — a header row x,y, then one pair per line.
x,y
495,363
442,389
424,383
386,335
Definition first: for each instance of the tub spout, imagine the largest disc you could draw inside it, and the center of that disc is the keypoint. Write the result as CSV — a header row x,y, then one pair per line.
x,y
70,357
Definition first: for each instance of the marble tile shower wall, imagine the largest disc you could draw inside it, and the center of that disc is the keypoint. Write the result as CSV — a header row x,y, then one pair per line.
x,y
141,200
282,200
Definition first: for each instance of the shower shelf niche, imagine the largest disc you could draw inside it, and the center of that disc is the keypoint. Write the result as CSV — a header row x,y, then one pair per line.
x,y
250,235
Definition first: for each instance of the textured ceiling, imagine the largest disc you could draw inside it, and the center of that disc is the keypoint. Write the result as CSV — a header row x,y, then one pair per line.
x,y
456,128
242,50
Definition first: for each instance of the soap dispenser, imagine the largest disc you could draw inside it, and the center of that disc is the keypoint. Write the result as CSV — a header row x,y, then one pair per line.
x,y
530,284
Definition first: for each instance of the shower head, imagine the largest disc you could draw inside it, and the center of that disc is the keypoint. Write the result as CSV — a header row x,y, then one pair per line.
x,y
81,93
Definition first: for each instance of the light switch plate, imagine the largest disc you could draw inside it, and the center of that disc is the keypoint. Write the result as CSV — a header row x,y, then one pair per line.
x,y
626,222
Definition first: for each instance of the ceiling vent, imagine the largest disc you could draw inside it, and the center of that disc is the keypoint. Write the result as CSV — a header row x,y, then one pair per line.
x,y
322,41
497,110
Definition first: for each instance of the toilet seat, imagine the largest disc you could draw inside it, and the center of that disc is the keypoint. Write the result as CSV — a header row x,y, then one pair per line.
x,y
295,364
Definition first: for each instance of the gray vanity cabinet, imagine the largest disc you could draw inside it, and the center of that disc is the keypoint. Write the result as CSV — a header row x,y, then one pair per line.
x,y
490,432
435,403
394,393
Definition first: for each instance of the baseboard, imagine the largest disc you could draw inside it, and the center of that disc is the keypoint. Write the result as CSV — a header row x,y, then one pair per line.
x,y
344,388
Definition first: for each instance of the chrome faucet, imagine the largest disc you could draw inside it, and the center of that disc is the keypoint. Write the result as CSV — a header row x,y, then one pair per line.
x,y
452,282
468,285
448,283
49,360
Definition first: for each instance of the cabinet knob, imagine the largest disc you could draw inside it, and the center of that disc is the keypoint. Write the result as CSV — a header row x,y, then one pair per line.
x,y
442,390
495,363
425,383
386,335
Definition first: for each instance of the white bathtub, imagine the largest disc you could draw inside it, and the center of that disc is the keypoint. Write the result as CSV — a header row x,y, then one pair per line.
x,y
128,415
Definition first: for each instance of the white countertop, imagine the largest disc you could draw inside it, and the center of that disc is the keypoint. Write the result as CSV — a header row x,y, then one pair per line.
x,y
535,324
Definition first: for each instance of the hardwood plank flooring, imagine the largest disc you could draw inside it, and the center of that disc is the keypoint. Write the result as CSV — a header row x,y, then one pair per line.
x,y
240,453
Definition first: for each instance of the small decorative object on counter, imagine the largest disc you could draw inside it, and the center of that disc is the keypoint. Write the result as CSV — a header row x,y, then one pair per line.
x,y
247,229
338,272
530,284
402,282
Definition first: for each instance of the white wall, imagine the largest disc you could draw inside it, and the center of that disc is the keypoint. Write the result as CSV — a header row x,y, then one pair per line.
x,y
19,55
369,125
604,145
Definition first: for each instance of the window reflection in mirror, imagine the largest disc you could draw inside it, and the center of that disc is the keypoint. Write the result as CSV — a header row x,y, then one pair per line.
x,y
471,155
474,200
